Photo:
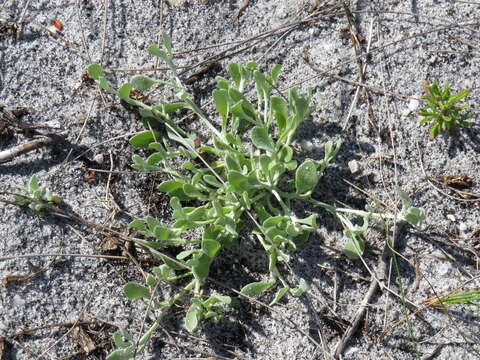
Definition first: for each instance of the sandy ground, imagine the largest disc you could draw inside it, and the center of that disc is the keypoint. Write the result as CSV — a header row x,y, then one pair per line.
x,y
406,42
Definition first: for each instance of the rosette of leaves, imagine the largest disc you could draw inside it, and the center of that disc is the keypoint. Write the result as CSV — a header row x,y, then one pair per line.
x,y
441,109
247,173
36,196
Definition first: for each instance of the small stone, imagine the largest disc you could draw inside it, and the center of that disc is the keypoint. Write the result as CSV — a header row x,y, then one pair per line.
x,y
405,113
353,166
351,350
306,145
98,158
463,228
451,217
337,103
413,105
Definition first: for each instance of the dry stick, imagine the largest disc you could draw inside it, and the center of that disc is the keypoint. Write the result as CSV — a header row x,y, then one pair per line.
x,y
107,188
381,162
377,49
25,348
463,41
104,38
241,10
434,353
232,45
68,323
259,38
68,44
24,11
9,154
159,36
376,89
374,286
26,256
92,104
362,72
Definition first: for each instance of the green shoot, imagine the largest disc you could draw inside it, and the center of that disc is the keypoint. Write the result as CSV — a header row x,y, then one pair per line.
x,y
36,196
441,109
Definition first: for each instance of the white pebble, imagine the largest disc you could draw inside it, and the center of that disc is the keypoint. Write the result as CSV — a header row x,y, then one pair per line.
x,y
306,145
413,105
98,158
463,228
451,217
353,166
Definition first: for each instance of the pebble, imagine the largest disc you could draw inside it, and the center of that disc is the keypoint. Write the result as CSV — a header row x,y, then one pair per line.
x,y
353,166
463,228
98,158
405,113
413,105
306,145
451,217
351,350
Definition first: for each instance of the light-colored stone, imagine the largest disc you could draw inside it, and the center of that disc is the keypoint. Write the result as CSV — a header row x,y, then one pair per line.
x,y
353,166
451,217
98,158
413,105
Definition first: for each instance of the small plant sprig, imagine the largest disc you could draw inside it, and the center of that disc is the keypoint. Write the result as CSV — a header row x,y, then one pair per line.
x,y
441,109
231,180
467,297
36,195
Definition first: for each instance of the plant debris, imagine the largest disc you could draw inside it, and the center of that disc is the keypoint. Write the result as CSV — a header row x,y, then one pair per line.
x,y
459,182
32,273
83,340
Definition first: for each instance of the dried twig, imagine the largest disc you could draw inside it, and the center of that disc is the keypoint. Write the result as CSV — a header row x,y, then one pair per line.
x,y
9,154
374,286
241,10
376,89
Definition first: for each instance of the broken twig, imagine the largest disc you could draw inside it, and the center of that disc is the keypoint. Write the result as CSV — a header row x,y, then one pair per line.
x,y
9,154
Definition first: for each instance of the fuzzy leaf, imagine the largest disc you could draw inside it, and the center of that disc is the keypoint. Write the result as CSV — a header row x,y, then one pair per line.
x,y
306,177
301,289
142,83
210,247
144,138
135,291
256,288
280,294
235,72
200,266
95,71
354,248
124,91
193,317
262,140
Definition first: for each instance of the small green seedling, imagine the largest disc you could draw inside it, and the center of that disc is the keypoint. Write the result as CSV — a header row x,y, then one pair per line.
x,y
36,196
441,109
468,297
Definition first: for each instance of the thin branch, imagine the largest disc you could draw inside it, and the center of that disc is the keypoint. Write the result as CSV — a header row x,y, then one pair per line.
x,y
10,154
374,286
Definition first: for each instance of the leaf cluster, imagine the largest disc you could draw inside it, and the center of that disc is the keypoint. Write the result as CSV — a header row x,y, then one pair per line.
x,y
36,196
442,111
